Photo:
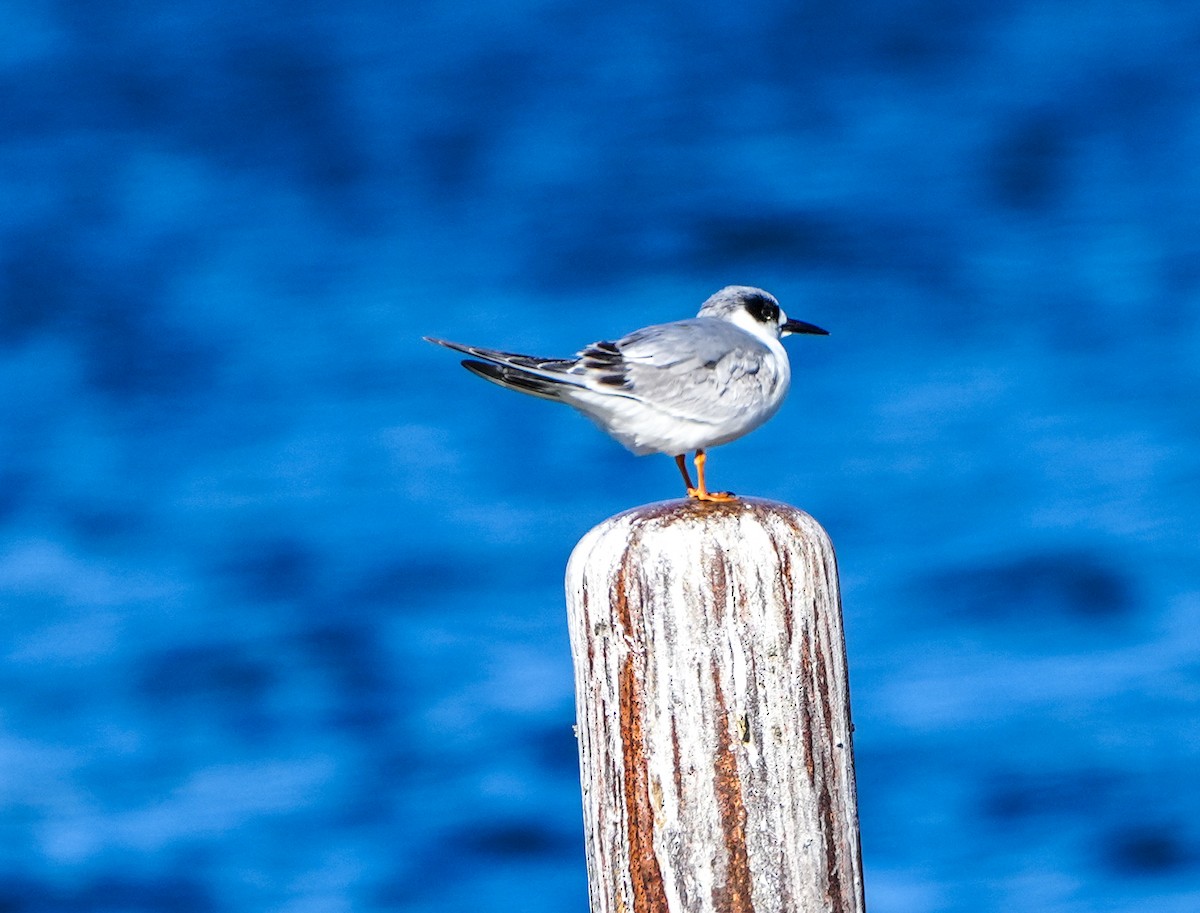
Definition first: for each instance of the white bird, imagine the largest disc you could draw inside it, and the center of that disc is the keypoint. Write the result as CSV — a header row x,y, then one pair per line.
x,y
669,388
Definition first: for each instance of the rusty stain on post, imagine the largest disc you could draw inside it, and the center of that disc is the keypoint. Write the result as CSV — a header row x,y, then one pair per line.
x,y
644,872
734,895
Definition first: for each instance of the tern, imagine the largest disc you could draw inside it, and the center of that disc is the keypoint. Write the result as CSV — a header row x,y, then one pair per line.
x,y
671,388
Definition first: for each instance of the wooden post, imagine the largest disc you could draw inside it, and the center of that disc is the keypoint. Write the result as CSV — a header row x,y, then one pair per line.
x,y
713,712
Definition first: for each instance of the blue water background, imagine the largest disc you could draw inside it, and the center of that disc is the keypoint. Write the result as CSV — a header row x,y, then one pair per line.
x,y
280,584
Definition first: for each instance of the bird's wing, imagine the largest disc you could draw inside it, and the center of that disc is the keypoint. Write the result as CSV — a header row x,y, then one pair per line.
x,y
702,370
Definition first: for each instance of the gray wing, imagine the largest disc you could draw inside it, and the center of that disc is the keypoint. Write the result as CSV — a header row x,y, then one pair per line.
x,y
702,369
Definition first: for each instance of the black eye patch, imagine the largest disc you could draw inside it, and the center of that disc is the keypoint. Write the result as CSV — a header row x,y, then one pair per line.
x,y
763,309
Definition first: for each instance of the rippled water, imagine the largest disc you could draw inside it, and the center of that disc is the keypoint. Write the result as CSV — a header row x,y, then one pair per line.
x,y
280,585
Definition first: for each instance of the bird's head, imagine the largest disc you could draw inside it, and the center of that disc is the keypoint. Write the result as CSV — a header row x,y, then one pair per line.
x,y
755,311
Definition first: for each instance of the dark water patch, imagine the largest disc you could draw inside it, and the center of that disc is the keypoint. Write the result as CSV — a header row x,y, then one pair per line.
x,y
130,353
115,892
276,106
1149,850
36,288
210,685
348,655
53,281
593,246
17,490
1086,589
478,101
270,101
22,894
811,40
452,159
284,98
1017,795
837,241
1030,162
809,238
517,839
440,867
419,574
129,894
556,749
1139,104
104,524
929,36
273,568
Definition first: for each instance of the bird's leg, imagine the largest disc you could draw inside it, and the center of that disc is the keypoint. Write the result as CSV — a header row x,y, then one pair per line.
x,y
681,462
701,492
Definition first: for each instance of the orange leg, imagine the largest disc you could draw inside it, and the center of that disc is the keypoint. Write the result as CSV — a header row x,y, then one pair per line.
x,y
701,492
687,479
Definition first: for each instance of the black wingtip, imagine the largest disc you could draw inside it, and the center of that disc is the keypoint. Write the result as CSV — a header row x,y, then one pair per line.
x,y
513,379
488,371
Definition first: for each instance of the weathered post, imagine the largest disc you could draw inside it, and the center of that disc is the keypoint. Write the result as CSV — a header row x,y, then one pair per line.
x,y
713,712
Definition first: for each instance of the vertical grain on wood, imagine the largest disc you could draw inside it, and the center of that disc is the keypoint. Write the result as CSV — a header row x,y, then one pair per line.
x,y
714,713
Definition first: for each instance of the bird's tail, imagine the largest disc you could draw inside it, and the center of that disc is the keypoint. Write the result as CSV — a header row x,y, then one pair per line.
x,y
541,377
516,379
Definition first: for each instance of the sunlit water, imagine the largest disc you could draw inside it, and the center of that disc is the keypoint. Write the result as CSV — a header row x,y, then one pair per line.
x,y
281,585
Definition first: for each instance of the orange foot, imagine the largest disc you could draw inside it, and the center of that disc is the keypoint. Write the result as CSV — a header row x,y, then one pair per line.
x,y
720,496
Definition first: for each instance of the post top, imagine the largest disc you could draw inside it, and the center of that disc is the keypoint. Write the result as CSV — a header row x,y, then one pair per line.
x,y
683,524
686,510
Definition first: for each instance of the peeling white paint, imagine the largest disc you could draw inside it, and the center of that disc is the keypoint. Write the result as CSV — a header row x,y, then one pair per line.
x,y
691,604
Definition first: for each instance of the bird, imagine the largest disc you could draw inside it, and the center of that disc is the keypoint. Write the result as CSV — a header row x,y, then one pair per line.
x,y
671,388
